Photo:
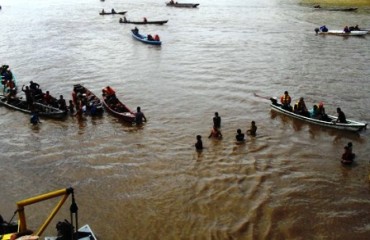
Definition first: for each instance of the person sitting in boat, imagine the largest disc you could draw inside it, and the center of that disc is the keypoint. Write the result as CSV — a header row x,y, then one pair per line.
x,y
346,29
354,28
285,101
347,156
239,136
156,38
253,130
150,38
102,11
321,113
62,105
139,116
135,31
341,116
11,95
10,86
113,11
295,108
109,93
215,133
145,20
7,75
314,112
324,29
301,108
124,20
47,98
199,144
171,2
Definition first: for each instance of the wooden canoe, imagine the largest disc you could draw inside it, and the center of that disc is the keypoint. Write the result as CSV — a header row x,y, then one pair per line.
x,y
118,109
182,5
82,95
142,22
42,109
110,13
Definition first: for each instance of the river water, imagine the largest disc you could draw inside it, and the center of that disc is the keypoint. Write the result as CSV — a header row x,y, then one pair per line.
x,y
148,182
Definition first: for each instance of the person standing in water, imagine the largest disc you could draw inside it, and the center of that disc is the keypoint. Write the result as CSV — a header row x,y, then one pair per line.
x,y
217,120
139,116
199,143
253,130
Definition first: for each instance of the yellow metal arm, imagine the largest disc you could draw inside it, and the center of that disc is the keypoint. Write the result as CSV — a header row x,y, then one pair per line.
x,y
21,204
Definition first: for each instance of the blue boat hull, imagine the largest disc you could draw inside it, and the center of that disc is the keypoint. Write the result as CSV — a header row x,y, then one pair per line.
x,y
144,39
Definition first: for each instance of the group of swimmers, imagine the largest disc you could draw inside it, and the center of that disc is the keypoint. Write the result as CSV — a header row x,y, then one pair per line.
x,y
216,132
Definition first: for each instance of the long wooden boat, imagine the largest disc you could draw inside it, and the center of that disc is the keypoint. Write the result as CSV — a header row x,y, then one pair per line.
x,y
116,107
343,9
143,22
90,103
342,33
144,39
182,5
331,123
42,109
17,230
110,13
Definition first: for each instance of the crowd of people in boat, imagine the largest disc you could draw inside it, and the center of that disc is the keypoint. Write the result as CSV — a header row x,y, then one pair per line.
x,y
32,92
346,29
216,132
84,101
149,36
317,111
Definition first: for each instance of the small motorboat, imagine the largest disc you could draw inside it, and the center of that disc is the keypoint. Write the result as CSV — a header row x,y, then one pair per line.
x,y
143,38
358,33
351,125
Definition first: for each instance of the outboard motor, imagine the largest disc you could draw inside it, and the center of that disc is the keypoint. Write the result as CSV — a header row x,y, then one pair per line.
x,y
317,30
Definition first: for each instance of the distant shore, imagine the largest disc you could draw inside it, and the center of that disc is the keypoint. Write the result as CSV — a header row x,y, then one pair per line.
x,y
355,3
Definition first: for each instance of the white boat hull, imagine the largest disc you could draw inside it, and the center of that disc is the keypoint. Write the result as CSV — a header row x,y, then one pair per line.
x,y
342,33
84,229
350,126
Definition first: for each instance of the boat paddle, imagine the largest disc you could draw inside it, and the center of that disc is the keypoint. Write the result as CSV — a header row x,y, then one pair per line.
x,y
256,95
